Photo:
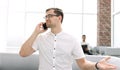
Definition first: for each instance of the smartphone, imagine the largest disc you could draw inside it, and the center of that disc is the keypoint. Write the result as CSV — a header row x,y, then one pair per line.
x,y
45,26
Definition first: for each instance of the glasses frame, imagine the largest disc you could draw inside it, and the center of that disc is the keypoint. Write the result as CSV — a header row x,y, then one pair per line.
x,y
50,15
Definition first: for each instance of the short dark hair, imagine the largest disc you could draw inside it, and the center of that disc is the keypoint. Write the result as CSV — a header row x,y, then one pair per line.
x,y
57,11
83,35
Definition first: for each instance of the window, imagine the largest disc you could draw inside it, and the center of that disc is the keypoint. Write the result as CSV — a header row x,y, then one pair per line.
x,y
3,23
23,15
116,23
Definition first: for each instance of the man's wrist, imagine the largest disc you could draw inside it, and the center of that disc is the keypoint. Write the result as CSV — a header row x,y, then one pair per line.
x,y
96,65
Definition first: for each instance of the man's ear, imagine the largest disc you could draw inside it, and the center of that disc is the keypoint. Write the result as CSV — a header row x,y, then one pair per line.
x,y
60,18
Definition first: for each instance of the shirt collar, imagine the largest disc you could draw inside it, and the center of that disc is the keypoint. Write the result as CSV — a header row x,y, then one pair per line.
x,y
58,34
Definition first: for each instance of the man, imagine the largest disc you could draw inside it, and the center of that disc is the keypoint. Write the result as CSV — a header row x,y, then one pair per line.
x,y
56,48
85,45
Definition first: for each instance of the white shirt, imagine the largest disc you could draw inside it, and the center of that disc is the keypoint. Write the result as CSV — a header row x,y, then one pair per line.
x,y
56,52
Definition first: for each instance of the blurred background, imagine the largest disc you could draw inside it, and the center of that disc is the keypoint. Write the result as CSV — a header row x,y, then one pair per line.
x,y
18,19
97,19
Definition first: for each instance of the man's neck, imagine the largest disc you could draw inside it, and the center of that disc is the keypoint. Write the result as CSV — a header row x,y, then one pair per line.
x,y
56,30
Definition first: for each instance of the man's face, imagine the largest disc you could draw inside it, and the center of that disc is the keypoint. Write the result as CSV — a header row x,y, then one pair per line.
x,y
51,19
83,37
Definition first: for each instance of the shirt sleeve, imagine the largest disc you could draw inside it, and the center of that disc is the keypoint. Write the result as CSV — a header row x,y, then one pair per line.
x,y
77,50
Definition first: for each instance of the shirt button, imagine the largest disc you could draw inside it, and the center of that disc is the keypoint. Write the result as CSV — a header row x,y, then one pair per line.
x,y
53,57
53,66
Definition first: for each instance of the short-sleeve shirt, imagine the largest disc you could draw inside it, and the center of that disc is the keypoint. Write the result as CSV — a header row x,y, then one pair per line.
x,y
56,52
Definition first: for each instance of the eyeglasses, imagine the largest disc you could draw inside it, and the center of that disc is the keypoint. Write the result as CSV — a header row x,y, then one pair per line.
x,y
49,16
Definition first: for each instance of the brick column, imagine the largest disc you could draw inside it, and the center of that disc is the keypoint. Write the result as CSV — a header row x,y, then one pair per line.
x,y
104,23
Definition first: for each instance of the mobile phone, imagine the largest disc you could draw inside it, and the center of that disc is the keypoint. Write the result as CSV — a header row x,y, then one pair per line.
x,y
45,26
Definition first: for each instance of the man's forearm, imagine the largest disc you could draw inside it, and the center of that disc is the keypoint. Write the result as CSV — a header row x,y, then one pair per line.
x,y
89,65
30,40
86,65
26,48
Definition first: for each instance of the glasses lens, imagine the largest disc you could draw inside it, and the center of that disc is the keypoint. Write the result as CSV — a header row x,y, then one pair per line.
x,y
49,16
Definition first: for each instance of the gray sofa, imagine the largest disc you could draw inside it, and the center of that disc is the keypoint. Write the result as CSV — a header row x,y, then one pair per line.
x,y
104,50
12,61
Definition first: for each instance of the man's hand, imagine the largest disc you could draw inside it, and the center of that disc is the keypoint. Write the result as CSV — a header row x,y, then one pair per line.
x,y
104,65
39,28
